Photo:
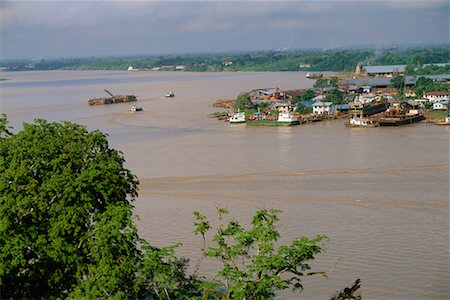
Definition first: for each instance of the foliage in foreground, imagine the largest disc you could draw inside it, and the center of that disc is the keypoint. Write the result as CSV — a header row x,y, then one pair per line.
x,y
253,267
67,229
66,219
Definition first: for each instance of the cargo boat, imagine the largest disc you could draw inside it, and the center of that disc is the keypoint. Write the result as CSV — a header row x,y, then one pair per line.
x,y
400,120
113,99
368,109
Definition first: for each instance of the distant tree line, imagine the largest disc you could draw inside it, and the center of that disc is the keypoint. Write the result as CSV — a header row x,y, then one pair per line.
x,y
294,60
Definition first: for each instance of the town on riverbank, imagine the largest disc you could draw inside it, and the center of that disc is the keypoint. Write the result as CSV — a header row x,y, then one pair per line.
x,y
371,96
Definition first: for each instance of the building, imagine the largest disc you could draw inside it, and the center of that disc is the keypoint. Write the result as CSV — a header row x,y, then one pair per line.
x,y
324,108
442,105
384,71
434,97
283,107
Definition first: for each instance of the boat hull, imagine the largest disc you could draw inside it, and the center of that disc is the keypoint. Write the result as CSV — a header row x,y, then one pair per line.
x,y
399,121
271,123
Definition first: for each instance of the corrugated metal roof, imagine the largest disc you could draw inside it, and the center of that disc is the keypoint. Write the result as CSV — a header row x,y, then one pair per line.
x,y
384,69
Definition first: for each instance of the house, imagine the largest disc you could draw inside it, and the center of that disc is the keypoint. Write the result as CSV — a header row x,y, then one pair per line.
x,y
324,108
342,107
434,97
421,101
266,94
307,103
414,104
442,105
283,107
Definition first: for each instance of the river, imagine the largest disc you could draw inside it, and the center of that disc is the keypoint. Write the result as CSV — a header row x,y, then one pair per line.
x,y
381,195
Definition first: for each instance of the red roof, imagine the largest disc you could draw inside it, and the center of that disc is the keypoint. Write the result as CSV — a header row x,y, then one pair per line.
x,y
436,94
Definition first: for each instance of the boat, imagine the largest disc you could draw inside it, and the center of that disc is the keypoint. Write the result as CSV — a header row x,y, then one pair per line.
x,y
314,75
399,120
367,109
169,95
237,118
135,108
113,99
287,119
356,121
284,119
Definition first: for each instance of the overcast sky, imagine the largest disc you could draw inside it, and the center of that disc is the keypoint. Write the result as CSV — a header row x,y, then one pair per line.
x,y
38,29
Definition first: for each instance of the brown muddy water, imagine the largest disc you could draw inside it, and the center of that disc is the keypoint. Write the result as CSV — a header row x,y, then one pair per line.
x,y
380,194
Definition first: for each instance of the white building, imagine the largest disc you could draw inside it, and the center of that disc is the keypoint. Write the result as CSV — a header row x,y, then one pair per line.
x,y
324,108
442,105
436,96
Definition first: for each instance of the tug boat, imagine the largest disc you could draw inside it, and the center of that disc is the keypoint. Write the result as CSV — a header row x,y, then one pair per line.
x,y
169,95
135,108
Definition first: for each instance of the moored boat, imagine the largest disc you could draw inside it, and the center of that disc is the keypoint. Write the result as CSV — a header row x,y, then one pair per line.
x,y
237,118
361,122
287,119
400,120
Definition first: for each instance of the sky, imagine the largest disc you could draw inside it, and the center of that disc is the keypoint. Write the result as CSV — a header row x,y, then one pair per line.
x,y
51,29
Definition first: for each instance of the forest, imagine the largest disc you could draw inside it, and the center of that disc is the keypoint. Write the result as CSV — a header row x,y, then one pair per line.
x,y
292,60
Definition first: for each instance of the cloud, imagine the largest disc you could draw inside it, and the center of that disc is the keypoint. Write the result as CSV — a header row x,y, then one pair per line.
x,y
74,28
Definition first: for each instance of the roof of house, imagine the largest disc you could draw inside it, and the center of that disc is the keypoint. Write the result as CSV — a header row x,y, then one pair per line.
x,y
384,69
436,94
307,102
443,102
282,104
378,82
320,103
342,106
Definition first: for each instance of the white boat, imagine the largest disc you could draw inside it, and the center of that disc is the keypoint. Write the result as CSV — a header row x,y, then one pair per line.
x,y
169,95
287,118
361,122
237,118
134,108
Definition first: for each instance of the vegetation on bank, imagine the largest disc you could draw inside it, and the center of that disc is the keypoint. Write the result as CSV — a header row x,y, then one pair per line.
x,y
294,60
67,230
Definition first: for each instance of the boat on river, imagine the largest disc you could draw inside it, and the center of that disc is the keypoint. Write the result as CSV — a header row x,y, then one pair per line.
x,y
169,95
237,118
399,120
356,121
113,99
135,108
287,119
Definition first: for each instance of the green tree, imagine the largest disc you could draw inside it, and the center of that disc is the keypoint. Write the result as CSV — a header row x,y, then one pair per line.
x,y
4,128
335,96
333,82
398,83
242,102
321,83
305,95
66,221
423,85
252,266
